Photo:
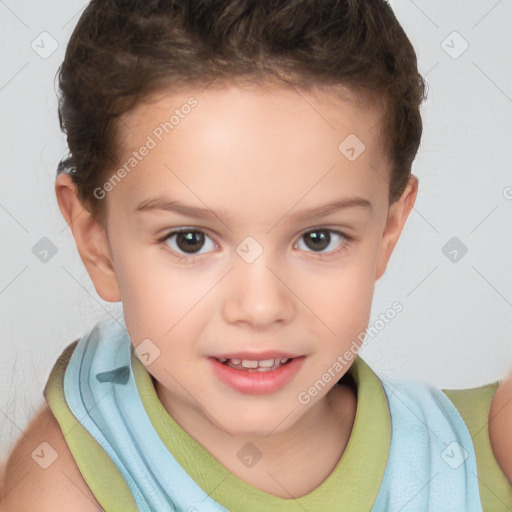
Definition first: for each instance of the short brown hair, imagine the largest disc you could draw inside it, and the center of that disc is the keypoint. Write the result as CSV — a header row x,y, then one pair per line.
x,y
122,51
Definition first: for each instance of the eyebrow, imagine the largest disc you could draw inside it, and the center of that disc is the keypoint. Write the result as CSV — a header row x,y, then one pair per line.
x,y
174,206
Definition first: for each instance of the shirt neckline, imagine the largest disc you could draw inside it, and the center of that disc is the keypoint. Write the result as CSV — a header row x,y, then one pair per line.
x,y
355,480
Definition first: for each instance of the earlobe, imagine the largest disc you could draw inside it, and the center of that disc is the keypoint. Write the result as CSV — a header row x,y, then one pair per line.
x,y
90,238
397,215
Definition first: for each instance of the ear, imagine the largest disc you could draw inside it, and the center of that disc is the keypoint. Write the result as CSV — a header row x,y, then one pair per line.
x,y
397,215
90,237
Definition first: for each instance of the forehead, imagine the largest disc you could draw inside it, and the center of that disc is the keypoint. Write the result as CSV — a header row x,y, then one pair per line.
x,y
240,110
273,143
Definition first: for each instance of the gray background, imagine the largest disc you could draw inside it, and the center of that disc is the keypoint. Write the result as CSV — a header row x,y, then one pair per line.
x,y
454,330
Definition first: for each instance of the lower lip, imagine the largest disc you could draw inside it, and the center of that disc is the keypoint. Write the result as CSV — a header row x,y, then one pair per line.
x,y
257,383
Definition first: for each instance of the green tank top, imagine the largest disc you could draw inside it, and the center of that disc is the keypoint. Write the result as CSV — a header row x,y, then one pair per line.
x,y
363,461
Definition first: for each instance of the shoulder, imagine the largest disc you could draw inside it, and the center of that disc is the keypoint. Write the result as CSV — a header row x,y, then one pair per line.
x,y
41,474
500,426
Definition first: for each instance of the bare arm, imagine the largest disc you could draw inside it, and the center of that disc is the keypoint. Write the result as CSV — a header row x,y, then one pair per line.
x,y
35,480
2,476
500,426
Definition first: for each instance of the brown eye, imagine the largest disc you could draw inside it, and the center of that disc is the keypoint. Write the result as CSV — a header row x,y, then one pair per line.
x,y
318,240
190,241
187,241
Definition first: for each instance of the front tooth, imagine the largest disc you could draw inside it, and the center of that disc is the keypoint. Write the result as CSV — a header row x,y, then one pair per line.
x,y
267,363
246,363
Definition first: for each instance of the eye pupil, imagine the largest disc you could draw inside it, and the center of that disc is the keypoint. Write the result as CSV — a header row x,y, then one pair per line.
x,y
320,239
190,239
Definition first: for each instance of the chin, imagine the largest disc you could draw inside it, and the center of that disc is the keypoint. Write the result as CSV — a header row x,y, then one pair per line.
x,y
250,431
258,425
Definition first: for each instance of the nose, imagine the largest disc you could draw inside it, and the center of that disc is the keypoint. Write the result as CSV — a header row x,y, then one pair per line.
x,y
258,295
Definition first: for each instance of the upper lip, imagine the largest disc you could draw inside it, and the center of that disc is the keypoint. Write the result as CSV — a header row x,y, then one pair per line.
x,y
257,356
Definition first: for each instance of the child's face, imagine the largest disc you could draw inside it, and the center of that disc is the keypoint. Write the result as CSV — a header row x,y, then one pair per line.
x,y
257,159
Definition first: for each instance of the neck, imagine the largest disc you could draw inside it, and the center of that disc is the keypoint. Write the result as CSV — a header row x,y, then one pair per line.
x,y
294,461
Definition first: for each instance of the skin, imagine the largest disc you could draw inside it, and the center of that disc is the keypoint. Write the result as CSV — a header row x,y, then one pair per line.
x,y
500,426
261,156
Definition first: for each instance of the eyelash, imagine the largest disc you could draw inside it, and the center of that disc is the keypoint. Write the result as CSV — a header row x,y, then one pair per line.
x,y
191,258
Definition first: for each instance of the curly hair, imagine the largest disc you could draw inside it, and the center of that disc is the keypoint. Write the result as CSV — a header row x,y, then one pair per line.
x,y
122,51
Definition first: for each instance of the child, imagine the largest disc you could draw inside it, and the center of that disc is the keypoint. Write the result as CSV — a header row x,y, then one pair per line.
x,y
278,137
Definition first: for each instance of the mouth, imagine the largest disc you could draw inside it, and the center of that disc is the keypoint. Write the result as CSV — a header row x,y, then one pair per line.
x,y
255,365
256,374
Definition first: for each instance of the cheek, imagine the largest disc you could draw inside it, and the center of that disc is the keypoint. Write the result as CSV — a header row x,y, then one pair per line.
x,y
158,297
350,310
147,279
344,297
